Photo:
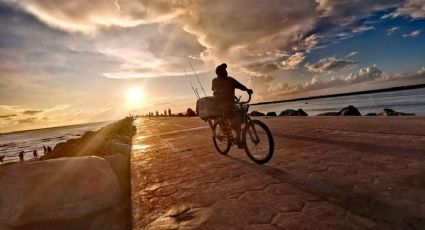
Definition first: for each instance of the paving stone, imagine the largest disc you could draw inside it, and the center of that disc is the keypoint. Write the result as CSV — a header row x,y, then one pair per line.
x,y
325,174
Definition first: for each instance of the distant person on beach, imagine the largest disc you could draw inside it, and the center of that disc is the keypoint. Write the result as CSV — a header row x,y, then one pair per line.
x,y
21,156
44,150
35,154
1,158
224,87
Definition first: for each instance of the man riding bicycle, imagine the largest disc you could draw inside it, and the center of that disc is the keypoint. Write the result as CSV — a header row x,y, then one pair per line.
x,y
224,89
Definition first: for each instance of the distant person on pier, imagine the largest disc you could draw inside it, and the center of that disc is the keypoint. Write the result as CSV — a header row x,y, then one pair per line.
x,y
224,87
21,156
35,154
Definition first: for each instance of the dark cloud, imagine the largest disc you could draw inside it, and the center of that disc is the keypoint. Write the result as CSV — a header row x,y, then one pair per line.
x,y
330,64
8,116
32,112
261,68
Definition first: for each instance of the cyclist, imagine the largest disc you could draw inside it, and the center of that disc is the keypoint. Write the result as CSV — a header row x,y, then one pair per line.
x,y
224,89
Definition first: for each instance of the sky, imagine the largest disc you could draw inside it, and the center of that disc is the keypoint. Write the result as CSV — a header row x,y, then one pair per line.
x,y
67,62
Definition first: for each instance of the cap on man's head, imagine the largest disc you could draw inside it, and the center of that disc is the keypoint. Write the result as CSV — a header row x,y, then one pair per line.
x,y
220,68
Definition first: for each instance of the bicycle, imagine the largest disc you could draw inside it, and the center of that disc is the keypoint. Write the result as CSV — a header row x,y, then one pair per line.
x,y
256,137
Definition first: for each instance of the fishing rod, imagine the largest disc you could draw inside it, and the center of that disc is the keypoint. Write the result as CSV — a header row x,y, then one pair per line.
x,y
197,78
191,85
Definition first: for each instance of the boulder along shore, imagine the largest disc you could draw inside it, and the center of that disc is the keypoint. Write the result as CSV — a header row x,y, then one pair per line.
x,y
84,183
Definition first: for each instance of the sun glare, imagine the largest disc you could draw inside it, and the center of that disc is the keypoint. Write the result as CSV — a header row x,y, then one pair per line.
x,y
134,95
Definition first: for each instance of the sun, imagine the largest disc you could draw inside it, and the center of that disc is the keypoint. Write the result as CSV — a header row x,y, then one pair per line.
x,y
134,95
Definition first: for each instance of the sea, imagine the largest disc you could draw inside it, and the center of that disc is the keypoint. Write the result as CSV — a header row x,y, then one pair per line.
x,y
407,101
28,141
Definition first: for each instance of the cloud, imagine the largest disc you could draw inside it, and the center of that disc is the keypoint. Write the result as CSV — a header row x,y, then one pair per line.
x,y
88,16
412,8
166,34
27,120
362,28
330,64
292,62
413,34
352,54
369,73
392,30
270,88
32,112
346,12
260,68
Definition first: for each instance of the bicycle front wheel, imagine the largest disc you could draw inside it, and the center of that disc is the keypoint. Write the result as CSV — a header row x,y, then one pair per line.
x,y
258,141
221,139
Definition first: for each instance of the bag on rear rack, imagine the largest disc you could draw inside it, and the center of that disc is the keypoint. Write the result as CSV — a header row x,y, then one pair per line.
x,y
213,107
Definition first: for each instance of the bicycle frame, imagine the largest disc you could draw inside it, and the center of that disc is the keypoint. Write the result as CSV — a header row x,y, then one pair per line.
x,y
243,106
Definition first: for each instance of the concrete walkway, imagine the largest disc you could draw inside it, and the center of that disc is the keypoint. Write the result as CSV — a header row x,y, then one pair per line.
x,y
327,173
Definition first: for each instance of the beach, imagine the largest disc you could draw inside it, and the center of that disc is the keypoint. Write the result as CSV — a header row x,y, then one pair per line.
x,y
326,173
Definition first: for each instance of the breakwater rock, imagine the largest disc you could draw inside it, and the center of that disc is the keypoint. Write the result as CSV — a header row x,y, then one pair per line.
x,y
58,189
96,143
84,183
292,112
391,112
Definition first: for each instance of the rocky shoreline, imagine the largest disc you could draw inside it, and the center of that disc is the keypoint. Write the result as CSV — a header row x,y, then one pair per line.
x,y
84,183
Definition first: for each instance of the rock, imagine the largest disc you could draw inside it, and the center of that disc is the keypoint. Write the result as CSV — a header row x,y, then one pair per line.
x,y
119,163
328,114
391,112
291,112
190,113
257,114
58,189
118,147
371,114
271,114
110,219
349,111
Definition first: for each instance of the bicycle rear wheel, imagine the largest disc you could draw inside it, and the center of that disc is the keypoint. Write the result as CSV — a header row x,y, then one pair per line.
x,y
258,141
222,138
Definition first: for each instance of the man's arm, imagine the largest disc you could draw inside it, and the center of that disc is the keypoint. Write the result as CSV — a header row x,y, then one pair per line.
x,y
238,85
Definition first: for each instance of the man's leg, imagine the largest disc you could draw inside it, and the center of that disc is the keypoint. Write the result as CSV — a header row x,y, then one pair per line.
x,y
236,126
